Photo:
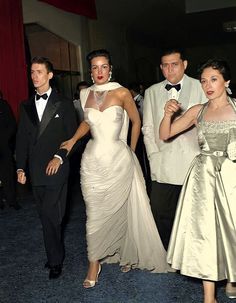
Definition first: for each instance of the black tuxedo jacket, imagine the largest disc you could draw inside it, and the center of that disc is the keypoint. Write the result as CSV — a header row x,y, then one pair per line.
x,y
37,142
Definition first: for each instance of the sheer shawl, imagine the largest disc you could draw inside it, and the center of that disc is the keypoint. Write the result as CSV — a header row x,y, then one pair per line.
x,y
107,86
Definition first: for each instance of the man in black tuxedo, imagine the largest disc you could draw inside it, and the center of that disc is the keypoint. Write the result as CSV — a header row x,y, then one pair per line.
x,y
7,164
46,120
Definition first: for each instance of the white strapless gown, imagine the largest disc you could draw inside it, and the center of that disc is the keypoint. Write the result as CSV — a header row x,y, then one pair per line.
x,y
120,226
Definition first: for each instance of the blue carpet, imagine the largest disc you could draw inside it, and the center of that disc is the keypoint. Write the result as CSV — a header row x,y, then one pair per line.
x,y
23,278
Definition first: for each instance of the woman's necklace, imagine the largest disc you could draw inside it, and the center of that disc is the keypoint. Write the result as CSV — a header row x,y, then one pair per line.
x,y
99,97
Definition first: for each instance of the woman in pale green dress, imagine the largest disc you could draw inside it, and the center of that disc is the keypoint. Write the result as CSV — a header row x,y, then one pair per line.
x,y
203,239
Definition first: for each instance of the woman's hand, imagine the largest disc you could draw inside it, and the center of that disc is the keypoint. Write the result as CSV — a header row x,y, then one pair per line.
x,y
169,128
171,107
68,144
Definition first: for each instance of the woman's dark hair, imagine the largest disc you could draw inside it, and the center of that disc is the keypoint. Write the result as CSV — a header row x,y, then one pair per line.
x,y
219,64
43,60
99,53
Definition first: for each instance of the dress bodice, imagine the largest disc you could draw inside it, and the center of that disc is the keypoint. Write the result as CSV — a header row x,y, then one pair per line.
x,y
214,135
106,125
217,135
108,131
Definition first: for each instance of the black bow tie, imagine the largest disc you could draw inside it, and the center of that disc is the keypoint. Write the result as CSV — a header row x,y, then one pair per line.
x,y
176,86
44,96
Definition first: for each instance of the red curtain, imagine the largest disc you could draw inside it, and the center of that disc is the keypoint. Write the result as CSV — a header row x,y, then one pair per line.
x,y
13,72
81,7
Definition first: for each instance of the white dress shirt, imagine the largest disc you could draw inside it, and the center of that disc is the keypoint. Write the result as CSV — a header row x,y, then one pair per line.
x,y
173,93
41,104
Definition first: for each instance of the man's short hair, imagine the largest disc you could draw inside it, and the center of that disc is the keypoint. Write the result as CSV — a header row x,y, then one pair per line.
x,y
173,50
43,60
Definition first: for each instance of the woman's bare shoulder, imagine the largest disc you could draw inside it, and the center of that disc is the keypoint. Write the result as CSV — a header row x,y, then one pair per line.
x,y
122,93
121,90
194,110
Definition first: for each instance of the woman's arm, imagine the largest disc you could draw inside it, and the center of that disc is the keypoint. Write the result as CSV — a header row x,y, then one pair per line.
x,y
130,107
54,164
82,130
169,128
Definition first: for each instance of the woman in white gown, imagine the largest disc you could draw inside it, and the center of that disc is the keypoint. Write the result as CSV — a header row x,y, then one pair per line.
x,y
120,226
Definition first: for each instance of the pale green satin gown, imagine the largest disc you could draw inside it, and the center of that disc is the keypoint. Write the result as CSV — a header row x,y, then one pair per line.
x,y
120,226
203,240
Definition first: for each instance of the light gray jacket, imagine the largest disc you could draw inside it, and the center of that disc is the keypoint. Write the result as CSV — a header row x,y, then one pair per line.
x,y
169,161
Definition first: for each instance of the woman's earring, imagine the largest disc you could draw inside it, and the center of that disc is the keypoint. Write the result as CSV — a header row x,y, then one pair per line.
x,y
228,90
92,78
110,75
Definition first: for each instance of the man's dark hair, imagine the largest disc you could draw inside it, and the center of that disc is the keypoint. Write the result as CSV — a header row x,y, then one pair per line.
x,y
43,60
81,83
77,92
99,53
172,50
220,64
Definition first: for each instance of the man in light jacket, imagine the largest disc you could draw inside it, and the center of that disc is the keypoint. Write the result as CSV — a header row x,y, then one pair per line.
x,y
170,160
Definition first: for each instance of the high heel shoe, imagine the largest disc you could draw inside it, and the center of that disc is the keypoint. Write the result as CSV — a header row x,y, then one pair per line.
x,y
230,290
91,283
125,268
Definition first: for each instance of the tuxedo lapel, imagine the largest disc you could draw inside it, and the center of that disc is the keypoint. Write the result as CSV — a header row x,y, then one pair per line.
x,y
31,111
185,94
162,96
49,112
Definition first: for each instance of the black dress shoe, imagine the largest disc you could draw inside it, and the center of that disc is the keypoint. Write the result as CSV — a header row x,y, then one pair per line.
x,y
55,272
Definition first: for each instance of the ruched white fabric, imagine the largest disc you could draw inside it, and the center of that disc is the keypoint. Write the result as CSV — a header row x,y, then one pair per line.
x,y
120,226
